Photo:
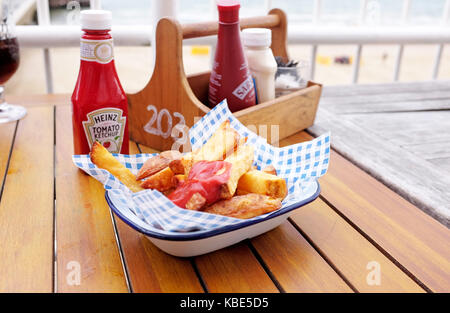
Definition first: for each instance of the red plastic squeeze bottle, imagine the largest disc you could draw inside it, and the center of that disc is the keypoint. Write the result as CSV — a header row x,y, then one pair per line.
x,y
230,76
99,103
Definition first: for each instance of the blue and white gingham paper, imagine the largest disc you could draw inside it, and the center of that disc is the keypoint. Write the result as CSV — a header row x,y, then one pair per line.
x,y
300,164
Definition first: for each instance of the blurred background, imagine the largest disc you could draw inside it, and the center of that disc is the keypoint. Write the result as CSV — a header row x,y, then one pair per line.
x,y
332,64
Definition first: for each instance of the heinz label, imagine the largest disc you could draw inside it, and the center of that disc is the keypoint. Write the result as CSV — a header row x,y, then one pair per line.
x,y
106,126
100,51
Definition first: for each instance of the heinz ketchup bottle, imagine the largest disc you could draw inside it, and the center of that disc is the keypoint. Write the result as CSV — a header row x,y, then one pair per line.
x,y
230,76
99,104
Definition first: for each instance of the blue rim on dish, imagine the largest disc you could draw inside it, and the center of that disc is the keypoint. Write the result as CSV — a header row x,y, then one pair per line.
x,y
202,234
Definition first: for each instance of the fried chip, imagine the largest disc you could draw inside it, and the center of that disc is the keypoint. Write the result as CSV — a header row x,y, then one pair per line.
x,y
157,163
161,181
245,206
241,161
101,157
263,183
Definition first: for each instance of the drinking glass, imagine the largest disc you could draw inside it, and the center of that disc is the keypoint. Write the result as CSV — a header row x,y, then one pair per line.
x,y
9,62
290,79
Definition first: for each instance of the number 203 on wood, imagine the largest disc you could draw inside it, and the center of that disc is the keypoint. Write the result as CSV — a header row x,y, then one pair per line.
x,y
154,126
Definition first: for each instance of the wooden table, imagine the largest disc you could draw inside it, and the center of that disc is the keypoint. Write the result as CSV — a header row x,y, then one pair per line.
x,y
54,221
390,129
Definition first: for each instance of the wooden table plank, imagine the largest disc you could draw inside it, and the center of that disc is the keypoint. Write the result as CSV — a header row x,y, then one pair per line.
x,y
149,269
421,127
344,246
392,88
31,100
84,230
430,150
26,208
441,163
349,251
425,186
387,97
7,131
387,129
384,106
233,269
295,264
410,236
402,231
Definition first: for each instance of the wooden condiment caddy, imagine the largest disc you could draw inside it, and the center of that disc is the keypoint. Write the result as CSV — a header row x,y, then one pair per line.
x,y
172,102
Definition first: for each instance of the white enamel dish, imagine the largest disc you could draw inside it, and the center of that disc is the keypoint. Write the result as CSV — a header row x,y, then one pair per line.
x,y
187,244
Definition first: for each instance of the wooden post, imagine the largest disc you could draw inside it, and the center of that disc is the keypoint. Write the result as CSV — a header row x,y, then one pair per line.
x,y
167,100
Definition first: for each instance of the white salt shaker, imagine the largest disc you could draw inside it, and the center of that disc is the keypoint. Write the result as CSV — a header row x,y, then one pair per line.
x,y
261,62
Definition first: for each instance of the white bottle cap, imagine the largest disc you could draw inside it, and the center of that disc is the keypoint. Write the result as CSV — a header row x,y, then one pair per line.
x,y
96,19
257,37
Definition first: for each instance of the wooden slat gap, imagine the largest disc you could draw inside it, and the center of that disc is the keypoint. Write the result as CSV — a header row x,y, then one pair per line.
x,y
119,247
139,147
121,254
55,246
396,111
199,275
376,245
323,255
9,159
265,267
395,88
331,100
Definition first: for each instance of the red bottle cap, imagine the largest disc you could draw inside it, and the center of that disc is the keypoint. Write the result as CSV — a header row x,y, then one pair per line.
x,y
228,10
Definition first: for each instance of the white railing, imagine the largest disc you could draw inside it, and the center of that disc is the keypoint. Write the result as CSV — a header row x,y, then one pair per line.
x,y
404,19
46,36
140,35
438,57
43,16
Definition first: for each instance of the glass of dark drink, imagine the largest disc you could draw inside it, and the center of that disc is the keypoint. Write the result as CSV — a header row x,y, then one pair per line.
x,y
9,62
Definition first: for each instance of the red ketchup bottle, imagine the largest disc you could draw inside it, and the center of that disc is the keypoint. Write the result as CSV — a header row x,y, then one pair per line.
x,y
230,76
99,103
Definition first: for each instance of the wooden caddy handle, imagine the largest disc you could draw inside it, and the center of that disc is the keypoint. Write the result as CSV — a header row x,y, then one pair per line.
x,y
204,29
275,20
167,103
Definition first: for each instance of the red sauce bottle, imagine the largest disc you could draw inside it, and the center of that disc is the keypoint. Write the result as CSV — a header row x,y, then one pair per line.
x,y
99,103
230,76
